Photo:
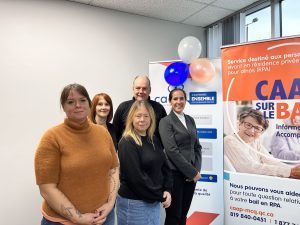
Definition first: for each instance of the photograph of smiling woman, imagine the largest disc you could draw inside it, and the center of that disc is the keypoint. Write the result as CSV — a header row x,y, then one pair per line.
x,y
245,152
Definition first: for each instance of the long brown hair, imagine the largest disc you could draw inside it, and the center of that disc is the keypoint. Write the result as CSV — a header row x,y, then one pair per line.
x,y
94,104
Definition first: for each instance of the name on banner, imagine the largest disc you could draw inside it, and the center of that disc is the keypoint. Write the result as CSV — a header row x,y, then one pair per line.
x,y
276,90
203,98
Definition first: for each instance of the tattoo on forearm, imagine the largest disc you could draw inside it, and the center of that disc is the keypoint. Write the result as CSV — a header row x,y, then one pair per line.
x,y
78,213
113,184
113,171
66,211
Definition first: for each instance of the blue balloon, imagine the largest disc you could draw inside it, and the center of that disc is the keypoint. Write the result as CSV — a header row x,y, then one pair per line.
x,y
176,73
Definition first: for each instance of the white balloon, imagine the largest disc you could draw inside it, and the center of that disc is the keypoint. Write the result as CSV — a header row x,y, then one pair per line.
x,y
189,49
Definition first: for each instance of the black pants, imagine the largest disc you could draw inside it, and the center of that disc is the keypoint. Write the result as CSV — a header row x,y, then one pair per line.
x,y
182,196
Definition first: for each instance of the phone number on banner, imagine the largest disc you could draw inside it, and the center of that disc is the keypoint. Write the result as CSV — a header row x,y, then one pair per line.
x,y
261,219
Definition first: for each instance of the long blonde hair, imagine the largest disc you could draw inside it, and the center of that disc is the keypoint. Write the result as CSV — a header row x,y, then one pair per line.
x,y
129,129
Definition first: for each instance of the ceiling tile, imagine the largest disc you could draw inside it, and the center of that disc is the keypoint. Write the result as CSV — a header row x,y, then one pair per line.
x,y
204,1
207,16
233,4
172,10
82,1
191,12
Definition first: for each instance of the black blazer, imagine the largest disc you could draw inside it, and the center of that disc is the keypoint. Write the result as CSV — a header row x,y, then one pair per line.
x,y
182,145
111,129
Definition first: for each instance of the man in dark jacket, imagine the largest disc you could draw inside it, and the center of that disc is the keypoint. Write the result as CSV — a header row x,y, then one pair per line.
x,y
141,92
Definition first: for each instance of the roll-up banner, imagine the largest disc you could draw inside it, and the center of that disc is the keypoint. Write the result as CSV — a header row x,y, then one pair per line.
x,y
261,150
204,104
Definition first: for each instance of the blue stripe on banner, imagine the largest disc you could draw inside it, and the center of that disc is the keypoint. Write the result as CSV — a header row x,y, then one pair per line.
x,y
208,133
226,176
209,178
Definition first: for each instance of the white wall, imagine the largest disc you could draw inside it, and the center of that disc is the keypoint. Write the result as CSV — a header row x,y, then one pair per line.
x,y
45,45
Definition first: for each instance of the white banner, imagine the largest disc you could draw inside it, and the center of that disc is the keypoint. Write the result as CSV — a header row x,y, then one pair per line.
x,y
205,106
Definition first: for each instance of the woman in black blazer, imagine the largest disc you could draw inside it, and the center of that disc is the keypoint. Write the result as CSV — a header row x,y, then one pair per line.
x,y
179,136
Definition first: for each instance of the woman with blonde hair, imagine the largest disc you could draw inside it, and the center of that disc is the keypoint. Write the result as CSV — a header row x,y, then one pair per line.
x,y
146,178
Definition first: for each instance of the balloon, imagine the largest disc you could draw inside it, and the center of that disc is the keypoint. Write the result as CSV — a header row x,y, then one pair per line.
x,y
202,70
176,73
189,49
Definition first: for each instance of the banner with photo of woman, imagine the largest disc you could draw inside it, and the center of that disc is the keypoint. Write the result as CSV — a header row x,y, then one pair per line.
x,y
261,92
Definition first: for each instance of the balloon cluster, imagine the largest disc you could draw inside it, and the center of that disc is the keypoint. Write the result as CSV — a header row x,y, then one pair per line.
x,y
200,70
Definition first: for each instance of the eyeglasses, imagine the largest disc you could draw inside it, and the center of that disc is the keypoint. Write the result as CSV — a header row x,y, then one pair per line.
x,y
256,128
73,102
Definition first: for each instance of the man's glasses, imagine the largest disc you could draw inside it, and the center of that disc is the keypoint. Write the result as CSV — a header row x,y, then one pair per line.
x,y
256,128
73,102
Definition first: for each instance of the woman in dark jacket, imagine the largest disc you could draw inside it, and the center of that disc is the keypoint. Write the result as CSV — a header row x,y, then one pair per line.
x,y
179,136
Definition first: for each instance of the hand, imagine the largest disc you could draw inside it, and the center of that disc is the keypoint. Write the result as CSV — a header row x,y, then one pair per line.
x,y
197,177
168,200
103,212
98,221
86,219
295,172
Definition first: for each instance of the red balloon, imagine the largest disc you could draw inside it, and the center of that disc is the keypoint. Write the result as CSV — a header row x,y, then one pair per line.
x,y
202,70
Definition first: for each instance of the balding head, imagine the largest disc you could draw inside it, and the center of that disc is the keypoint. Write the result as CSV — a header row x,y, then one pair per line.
x,y
141,87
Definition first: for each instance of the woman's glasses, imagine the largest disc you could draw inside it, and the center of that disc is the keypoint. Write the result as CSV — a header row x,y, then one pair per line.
x,y
256,128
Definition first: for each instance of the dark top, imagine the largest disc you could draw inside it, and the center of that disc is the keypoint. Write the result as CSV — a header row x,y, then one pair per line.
x,y
181,144
111,129
145,173
122,111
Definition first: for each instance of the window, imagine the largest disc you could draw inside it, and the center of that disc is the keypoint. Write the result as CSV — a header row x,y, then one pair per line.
x,y
290,17
258,25
262,20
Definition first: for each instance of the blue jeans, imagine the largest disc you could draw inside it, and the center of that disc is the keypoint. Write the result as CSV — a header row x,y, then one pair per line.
x,y
48,222
137,212
110,220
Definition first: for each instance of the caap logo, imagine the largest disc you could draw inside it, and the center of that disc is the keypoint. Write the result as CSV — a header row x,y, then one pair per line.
x,y
161,99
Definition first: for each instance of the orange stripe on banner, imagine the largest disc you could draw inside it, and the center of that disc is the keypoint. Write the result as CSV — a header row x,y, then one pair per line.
x,y
166,64
201,218
265,62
